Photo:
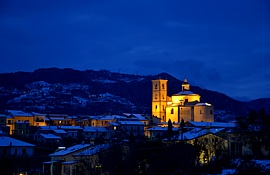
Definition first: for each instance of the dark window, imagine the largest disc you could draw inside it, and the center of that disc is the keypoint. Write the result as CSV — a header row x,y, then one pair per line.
x,y
9,122
156,86
162,86
23,151
172,111
211,112
4,151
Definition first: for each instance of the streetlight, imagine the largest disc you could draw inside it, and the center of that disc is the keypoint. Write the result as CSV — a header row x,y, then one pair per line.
x,y
59,148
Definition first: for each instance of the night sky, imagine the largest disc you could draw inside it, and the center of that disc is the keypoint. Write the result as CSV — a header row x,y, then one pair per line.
x,y
220,45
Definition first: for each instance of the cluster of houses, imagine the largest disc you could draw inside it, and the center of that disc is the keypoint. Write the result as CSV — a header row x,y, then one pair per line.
x,y
50,130
74,137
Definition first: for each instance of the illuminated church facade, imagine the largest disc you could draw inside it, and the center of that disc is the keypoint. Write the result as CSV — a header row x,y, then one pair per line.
x,y
183,105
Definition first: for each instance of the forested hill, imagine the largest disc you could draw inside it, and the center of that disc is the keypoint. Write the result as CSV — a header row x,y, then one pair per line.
x,y
98,92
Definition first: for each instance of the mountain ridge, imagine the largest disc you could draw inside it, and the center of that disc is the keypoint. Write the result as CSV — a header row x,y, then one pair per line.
x,y
97,92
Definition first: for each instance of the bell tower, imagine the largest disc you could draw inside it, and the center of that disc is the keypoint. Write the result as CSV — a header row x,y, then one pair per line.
x,y
159,98
185,85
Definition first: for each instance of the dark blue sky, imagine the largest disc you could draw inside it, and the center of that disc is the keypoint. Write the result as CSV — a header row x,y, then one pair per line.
x,y
219,45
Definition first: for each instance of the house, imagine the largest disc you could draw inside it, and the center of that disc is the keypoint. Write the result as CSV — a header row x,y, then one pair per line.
x,y
22,129
71,160
158,132
59,119
138,117
3,125
209,142
93,132
210,124
131,127
19,116
40,119
3,119
49,140
70,131
102,120
55,134
13,147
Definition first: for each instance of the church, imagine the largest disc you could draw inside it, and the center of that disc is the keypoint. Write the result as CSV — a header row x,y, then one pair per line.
x,y
183,105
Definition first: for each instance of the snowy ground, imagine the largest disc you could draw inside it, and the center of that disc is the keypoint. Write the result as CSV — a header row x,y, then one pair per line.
x,y
237,162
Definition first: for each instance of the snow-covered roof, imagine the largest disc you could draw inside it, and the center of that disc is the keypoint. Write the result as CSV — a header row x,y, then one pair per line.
x,y
185,93
203,104
19,113
59,127
108,117
159,128
6,141
59,118
8,116
59,131
50,136
70,162
197,132
131,123
138,116
70,150
213,124
38,114
94,129
114,123
72,117
93,150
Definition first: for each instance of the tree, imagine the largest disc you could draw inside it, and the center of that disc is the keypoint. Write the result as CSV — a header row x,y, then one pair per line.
x,y
169,129
182,125
254,131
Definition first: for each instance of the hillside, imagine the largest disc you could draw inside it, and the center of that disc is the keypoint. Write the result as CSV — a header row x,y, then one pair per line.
x,y
97,92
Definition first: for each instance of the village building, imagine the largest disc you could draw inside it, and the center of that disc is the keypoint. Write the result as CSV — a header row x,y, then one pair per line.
x,y
13,147
183,105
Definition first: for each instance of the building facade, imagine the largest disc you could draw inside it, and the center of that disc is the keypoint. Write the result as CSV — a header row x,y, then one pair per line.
x,y
183,105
